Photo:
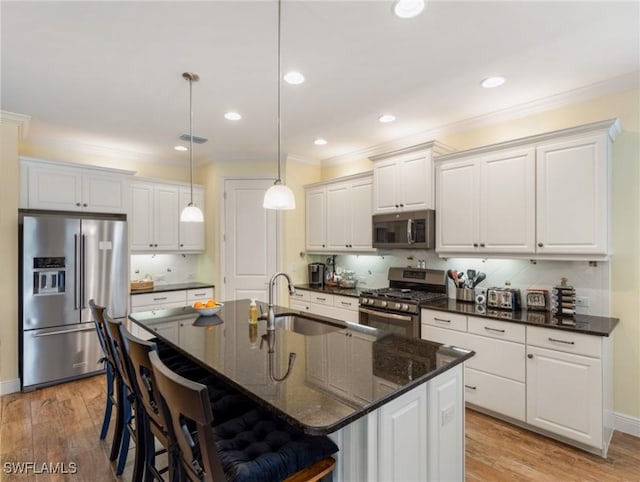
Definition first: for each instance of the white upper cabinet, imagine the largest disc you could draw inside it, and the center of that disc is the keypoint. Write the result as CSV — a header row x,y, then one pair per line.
x,y
67,187
403,179
315,218
486,204
573,180
155,218
191,235
338,215
545,196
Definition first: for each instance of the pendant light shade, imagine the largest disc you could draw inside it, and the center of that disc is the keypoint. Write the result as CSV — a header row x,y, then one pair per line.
x,y
192,213
279,196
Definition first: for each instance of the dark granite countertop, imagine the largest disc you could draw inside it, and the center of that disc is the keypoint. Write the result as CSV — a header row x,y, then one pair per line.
x,y
334,290
189,285
231,347
588,324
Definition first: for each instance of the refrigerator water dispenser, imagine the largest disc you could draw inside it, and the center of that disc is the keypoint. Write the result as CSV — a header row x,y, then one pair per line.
x,y
48,276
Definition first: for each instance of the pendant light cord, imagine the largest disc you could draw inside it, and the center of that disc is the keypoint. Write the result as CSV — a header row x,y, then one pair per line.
x,y
279,180
191,133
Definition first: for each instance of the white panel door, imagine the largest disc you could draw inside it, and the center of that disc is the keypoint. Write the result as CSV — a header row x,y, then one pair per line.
x,y
507,202
166,217
104,194
250,246
361,210
385,180
564,394
55,189
572,202
141,216
338,216
315,219
457,207
414,190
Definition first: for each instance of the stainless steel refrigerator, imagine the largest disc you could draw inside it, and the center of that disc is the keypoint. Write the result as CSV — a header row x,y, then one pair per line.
x,y
66,259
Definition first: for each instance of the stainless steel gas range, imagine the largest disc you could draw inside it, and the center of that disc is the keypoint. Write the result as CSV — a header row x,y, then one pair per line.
x,y
396,309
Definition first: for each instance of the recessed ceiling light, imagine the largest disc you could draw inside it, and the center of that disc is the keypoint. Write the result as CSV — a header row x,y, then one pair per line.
x,y
232,116
294,78
387,118
180,148
408,8
491,82
320,142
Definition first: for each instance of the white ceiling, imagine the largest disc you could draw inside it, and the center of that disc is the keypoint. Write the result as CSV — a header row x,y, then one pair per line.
x,y
108,74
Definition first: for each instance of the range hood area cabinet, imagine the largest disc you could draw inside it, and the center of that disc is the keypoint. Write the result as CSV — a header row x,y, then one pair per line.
x,y
63,186
403,179
545,196
338,215
154,221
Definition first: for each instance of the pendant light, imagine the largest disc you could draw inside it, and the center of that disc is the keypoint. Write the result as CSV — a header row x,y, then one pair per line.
x,y
279,196
192,213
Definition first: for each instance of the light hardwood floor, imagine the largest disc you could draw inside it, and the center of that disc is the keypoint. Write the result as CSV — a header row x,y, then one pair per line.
x,y
61,424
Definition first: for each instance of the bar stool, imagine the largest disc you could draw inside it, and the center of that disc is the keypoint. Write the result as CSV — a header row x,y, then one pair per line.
x,y
256,446
132,412
98,320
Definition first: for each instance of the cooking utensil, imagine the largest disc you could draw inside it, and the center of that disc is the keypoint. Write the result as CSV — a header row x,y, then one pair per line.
x,y
471,275
480,276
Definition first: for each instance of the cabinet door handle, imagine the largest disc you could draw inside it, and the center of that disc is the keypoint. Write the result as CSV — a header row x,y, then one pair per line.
x,y
540,245
493,329
151,245
397,206
562,341
181,245
529,356
442,320
78,204
401,205
475,245
85,205
470,387
482,245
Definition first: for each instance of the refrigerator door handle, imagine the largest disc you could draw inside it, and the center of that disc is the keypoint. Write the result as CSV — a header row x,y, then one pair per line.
x,y
76,288
83,267
64,332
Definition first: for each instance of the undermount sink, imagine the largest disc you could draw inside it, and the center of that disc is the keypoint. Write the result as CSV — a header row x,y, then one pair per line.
x,y
305,326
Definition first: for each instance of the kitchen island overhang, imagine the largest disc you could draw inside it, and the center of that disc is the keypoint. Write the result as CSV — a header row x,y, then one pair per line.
x,y
394,406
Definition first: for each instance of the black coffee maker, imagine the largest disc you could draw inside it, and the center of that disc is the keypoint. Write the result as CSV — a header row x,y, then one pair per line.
x,y
316,274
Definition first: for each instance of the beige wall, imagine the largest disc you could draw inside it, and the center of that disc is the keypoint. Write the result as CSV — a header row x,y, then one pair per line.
x,y
625,264
9,248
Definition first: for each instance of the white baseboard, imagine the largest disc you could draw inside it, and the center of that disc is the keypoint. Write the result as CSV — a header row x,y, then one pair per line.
x,y
627,424
9,386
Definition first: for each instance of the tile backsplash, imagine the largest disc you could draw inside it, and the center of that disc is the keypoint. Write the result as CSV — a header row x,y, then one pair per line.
x,y
165,268
591,282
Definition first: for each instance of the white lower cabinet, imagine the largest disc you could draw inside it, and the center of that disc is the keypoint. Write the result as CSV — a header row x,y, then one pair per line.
x,y
554,381
568,394
343,308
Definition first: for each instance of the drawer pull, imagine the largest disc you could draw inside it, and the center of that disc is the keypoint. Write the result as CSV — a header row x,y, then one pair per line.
x,y
562,341
199,294
345,303
493,329
161,298
320,299
470,387
299,295
442,320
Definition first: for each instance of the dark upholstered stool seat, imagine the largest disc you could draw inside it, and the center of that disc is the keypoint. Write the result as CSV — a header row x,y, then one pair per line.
x,y
258,446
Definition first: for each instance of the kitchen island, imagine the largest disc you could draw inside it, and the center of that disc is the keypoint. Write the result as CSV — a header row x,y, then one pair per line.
x,y
393,405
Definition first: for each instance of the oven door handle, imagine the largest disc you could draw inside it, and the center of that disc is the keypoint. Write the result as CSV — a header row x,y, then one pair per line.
x,y
383,314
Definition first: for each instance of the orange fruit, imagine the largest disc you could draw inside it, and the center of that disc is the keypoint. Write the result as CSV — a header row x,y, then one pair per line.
x,y
198,304
211,303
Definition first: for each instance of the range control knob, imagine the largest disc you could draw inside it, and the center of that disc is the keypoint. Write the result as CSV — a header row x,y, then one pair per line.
x,y
398,306
405,307
383,304
364,301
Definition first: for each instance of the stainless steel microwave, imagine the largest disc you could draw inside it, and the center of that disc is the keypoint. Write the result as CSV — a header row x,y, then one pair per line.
x,y
405,230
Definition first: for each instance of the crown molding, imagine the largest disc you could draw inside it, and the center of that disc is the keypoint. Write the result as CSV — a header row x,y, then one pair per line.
x,y
20,120
73,165
621,83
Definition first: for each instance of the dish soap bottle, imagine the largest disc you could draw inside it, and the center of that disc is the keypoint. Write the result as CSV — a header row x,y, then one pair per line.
x,y
253,312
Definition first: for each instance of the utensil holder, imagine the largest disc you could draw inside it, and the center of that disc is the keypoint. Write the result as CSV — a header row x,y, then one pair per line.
x,y
465,294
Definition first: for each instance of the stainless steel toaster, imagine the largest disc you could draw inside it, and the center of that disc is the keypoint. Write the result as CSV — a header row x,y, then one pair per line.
x,y
505,298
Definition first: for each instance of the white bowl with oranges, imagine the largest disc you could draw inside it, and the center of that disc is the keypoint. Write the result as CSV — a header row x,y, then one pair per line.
x,y
207,308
